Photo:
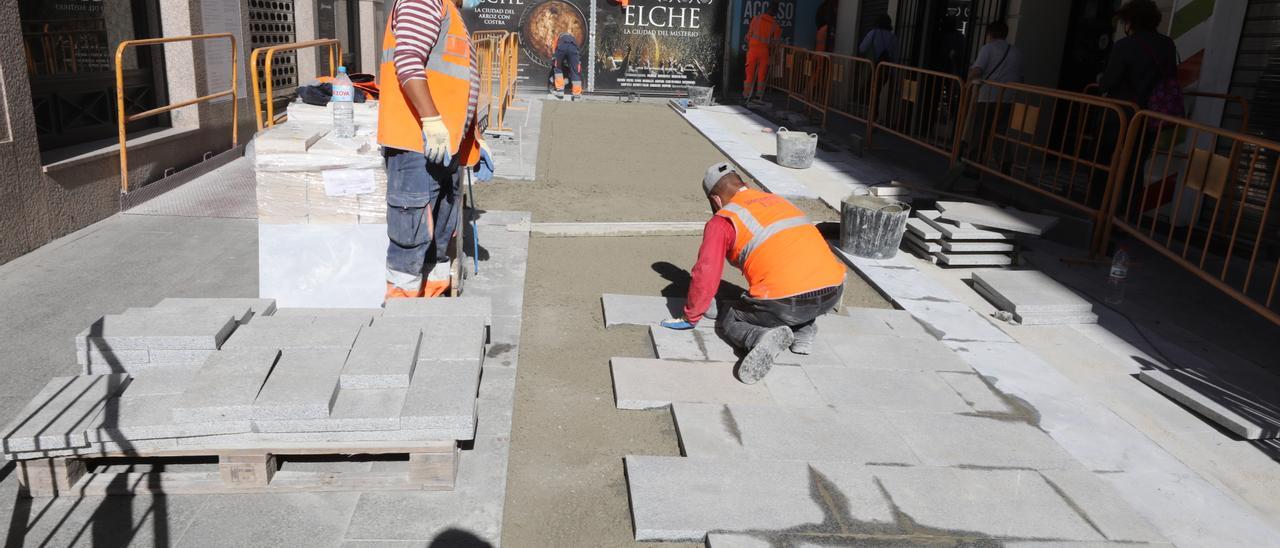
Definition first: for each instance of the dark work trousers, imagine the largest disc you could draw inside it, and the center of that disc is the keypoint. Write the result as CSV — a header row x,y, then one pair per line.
x,y
567,63
413,185
743,324
988,119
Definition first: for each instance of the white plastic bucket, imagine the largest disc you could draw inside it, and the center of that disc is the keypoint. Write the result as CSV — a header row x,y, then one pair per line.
x,y
796,149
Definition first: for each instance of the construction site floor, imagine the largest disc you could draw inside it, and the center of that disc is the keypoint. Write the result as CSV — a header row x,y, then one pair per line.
x,y
566,485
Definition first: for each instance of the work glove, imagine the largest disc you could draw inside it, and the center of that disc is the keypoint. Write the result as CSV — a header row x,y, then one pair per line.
x,y
678,324
484,168
435,139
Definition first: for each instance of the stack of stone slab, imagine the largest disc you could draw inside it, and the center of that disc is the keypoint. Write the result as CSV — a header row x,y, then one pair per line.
x,y
177,332
1244,400
1033,297
891,191
407,373
951,243
307,175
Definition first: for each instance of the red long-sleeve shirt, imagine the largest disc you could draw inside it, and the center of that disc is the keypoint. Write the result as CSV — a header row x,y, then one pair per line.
x,y
717,242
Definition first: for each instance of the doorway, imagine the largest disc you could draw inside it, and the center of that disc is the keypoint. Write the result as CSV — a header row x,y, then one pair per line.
x,y
70,50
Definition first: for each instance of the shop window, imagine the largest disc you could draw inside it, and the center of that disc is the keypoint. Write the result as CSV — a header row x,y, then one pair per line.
x,y
70,51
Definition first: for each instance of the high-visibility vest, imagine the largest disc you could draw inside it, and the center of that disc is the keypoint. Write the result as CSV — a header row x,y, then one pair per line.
x,y
763,31
449,81
780,252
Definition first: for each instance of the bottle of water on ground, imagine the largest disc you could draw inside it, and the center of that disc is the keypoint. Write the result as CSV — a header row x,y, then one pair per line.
x,y
344,118
1119,273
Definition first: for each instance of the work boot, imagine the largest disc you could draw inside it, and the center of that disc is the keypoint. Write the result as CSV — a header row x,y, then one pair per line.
x,y
756,364
804,336
397,292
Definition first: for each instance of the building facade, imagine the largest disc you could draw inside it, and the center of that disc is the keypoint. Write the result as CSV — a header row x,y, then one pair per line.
x,y
59,149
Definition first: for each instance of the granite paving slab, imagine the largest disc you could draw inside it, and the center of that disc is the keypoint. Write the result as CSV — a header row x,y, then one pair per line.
x,y
126,420
167,331
973,247
442,395
1246,403
992,217
973,259
991,503
59,414
158,382
704,344
286,332
1030,292
643,309
225,387
776,433
384,356
960,440
1104,508
919,243
354,410
958,231
303,385
870,321
243,308
976,392
457,307
922,230
890,352
885,389
682,499
642,383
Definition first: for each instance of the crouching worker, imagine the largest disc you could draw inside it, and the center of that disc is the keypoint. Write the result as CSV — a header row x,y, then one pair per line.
x,y
793,276
568,65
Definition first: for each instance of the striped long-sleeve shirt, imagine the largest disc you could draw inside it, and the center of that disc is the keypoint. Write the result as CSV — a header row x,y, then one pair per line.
x,y
416,24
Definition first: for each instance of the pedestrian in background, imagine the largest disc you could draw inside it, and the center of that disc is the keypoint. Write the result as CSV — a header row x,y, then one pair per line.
x,y
998,61
880,43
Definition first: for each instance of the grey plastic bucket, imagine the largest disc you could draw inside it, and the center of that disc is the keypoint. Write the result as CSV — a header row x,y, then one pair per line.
x,y
700,96
796,149
871,227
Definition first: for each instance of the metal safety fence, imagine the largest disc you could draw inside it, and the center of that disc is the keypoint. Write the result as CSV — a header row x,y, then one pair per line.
x,y
1192,99
266,56
497,58
1059,144
122,108
921,106
1203,197
849,87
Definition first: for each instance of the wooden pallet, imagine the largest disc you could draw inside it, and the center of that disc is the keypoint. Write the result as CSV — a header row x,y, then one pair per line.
x,y
432,466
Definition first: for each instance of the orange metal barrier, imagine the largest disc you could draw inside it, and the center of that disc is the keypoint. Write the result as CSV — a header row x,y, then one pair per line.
x,y
487,56
335,55
808,79
849,87
508,70
921,106
1094,89
123,118
1059,144
1202,196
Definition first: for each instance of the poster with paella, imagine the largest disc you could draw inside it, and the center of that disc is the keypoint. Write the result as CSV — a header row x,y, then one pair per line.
x,y
658,46
642,46
539,23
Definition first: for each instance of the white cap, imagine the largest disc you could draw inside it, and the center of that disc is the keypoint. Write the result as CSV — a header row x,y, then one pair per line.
x,y
714,174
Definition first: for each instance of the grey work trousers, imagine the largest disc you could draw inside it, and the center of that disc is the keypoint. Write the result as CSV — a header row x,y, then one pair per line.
x,y
743,324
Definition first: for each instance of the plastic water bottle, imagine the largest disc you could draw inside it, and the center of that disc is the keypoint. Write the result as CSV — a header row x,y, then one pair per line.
x,y
1119,272
344,117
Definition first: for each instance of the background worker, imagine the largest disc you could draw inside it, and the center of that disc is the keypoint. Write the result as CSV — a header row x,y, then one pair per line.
x,y
568,65
426,125
763,35
793,276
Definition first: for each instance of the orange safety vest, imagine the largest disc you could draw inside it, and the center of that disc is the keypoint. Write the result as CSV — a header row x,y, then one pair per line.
x,y
448,80
763,31
779,251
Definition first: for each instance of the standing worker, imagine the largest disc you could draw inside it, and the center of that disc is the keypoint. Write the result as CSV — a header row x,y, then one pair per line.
x,y
427,128
568,65
793,276
763,35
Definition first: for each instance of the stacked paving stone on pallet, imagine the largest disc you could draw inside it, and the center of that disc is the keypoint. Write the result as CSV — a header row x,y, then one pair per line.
x,y
1033,297
952,243
296,162
409,373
